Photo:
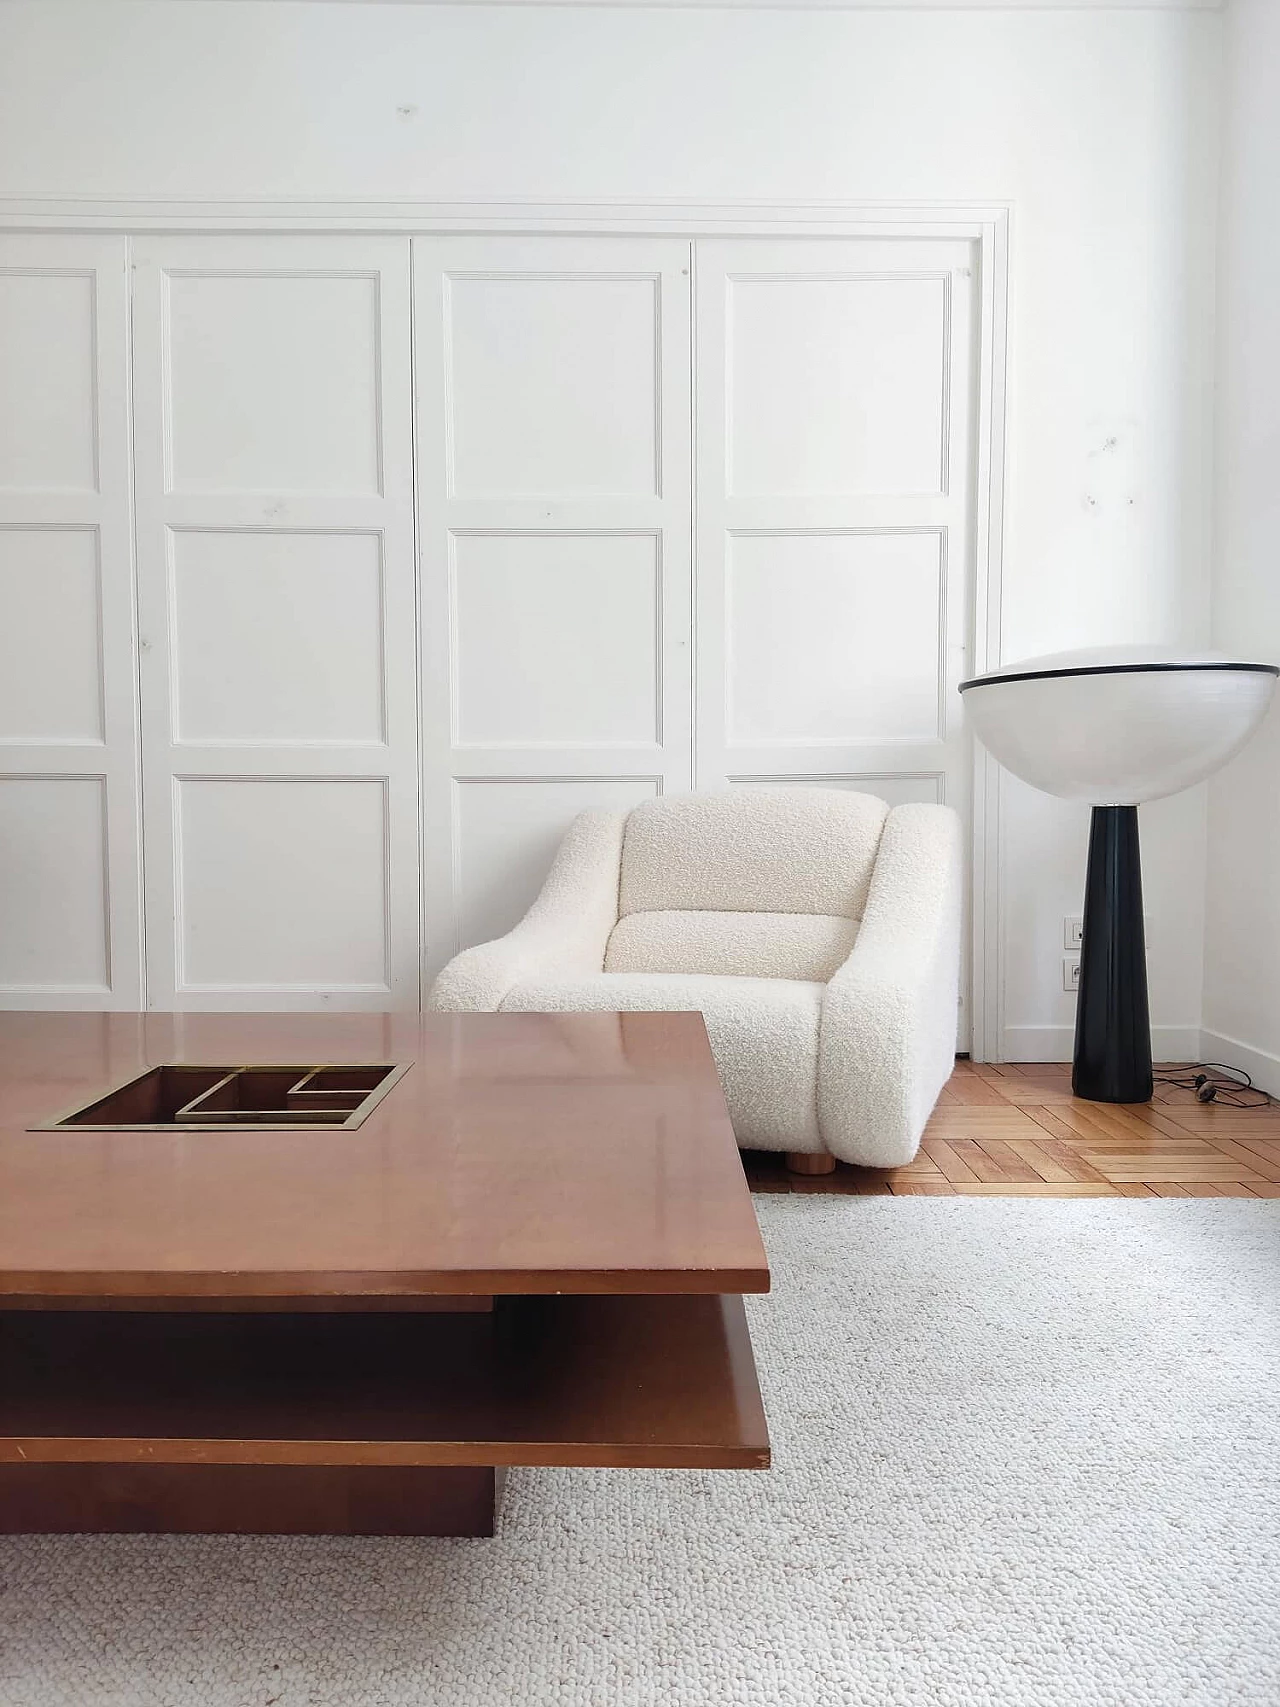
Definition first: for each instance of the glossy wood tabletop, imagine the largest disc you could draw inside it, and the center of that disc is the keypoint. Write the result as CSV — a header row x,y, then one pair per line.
x,y
520,1153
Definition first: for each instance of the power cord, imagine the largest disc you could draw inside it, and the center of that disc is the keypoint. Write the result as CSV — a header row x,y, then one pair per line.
x,y
1214,1081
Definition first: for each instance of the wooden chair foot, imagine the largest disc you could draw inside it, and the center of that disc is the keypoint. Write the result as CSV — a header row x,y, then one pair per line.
x,y
810,1162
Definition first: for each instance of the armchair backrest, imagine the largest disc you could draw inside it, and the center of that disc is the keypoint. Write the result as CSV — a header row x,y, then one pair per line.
x,y
766,883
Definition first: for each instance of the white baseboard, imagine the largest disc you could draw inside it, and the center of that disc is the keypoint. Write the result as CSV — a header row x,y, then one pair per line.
x,y
1262,1066
1054,1043
1168,1043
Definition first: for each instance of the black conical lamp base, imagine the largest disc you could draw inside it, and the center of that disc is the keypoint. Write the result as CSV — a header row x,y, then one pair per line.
x,y
1113,1022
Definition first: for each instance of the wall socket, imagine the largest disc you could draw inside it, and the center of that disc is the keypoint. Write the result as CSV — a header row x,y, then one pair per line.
x,y
1073,933
1070,973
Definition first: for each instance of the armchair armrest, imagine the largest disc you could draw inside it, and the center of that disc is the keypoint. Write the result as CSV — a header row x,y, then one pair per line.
x,y
889,1014
564,933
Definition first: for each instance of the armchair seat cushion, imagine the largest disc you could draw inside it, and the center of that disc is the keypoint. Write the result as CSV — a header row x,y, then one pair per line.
x,y
764,1035
811,946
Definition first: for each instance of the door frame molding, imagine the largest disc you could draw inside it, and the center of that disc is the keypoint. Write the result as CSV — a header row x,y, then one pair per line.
x,y
987,224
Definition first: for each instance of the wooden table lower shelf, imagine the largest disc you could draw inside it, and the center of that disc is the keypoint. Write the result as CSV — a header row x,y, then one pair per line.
x,y
372,1422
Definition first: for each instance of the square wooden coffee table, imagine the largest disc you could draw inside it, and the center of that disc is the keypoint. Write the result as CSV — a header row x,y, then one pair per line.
x,y
332,1273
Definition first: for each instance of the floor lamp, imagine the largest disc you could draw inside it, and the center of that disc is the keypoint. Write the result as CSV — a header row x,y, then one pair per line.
x,y
1116,726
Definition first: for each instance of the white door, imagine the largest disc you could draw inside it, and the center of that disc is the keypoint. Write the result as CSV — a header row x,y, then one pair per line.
x,y
69,904
834,494
553,407
277,600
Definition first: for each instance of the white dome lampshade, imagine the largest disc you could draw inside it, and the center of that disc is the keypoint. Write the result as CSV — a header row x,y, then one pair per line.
x,y
1115,726
1118,725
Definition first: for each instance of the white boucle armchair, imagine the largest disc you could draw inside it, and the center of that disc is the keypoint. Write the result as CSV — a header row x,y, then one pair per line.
x,y
816,930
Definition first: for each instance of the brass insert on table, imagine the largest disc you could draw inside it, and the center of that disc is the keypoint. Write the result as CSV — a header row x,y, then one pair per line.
x,y
184,1097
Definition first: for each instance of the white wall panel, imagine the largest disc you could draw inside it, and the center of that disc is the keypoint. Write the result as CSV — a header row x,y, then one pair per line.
x,y
70,932
50,636
555,505
558,638
282,886
553,385
53,917
834,637
508,833
273,381
278,615
277,636
49,424
838,384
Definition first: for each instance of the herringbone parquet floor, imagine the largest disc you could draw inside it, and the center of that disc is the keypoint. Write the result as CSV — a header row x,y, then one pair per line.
x,y
1017,1131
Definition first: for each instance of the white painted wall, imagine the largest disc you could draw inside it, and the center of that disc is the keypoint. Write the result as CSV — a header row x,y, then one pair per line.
x,y
1242,957
1098,126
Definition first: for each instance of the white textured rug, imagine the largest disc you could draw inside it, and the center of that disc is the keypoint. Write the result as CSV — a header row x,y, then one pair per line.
x,y
1027,1453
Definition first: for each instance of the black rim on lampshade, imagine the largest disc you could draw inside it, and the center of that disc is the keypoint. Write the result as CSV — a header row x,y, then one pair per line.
x,y
1114,670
